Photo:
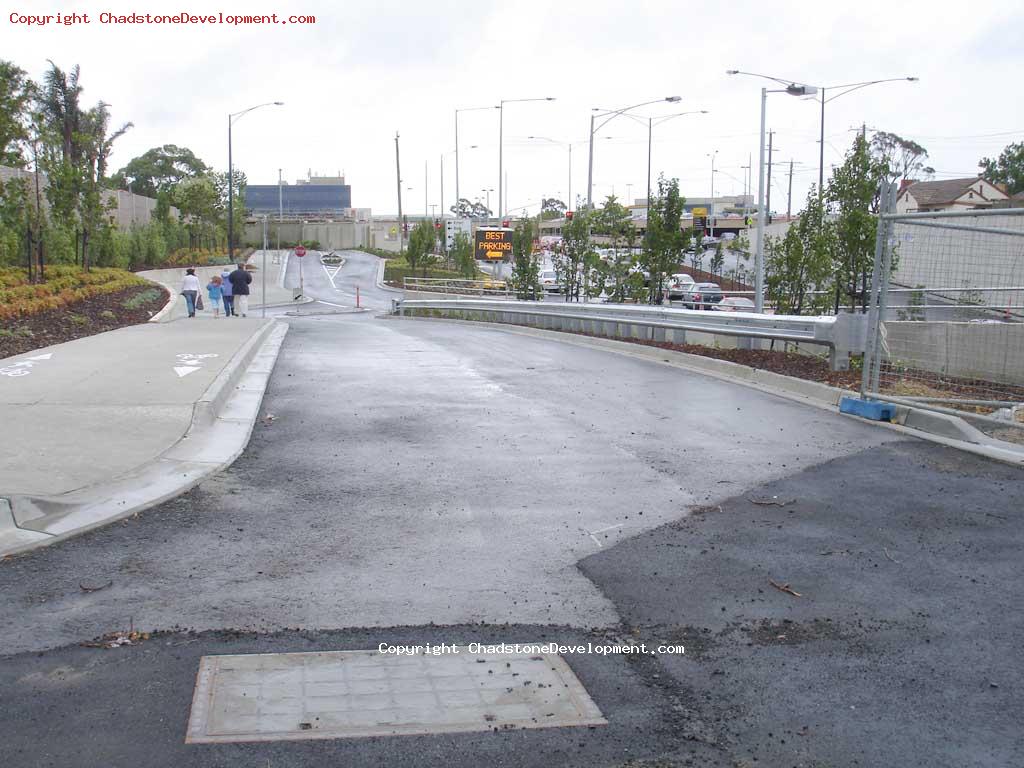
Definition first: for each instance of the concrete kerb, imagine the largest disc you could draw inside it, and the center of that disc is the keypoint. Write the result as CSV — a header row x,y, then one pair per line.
x,y
213,441
915,422
380,278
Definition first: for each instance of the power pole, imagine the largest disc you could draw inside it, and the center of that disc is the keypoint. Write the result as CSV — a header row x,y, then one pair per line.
x,y
398,176
768,202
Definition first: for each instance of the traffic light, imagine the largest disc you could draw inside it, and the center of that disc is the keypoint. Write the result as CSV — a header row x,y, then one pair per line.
x,y
568,215
437,223
505,223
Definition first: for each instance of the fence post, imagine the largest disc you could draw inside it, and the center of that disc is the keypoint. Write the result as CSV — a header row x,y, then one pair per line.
x,y
871,342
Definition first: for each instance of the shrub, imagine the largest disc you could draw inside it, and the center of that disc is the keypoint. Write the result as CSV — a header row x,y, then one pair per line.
x,y
64,285
142,298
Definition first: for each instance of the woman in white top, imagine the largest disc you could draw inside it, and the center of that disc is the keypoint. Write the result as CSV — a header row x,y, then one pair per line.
x,y
190,289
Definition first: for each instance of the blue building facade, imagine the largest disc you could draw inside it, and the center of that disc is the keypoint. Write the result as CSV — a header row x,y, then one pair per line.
x,y
299,199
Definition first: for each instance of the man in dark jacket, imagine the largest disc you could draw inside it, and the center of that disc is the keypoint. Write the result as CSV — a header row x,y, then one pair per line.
x,y
240,280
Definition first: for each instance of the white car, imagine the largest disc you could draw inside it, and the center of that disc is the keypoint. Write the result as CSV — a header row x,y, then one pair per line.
x,y
735,304
549,282
679,285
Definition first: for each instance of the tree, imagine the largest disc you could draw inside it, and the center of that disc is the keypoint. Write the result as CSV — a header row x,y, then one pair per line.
x,y
467,209
462,255
613,220
570,260
159,170
525,268
1007,169
16,95
799,266
665,241
552,208
717,260
420,253
852,192
900,158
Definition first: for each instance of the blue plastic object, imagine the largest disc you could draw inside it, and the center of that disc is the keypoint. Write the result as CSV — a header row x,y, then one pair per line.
x,y
867,409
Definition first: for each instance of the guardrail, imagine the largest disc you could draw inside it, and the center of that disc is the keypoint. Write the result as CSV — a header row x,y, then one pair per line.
x,y
457,286
842,334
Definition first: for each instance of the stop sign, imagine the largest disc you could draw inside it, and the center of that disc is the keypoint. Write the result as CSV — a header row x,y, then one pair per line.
x,y
300,250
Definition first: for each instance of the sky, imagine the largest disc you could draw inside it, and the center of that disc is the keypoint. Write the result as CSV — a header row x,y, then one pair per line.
x,y
366,71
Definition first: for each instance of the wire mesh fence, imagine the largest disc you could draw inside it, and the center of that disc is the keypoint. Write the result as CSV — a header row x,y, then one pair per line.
x,y
946,328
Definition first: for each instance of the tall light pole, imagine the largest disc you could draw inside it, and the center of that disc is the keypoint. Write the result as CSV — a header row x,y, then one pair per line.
x,y
488,191
232,117
712,155
501,145
611,114
457,111
793,89
280,209
843,90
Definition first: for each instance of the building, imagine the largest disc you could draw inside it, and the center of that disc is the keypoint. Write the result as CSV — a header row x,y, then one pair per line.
x,y
949,195
323,197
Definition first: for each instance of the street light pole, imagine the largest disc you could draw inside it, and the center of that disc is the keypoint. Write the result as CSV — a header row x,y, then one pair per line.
x,y
501,145
231,197
611,114
280,210
759,252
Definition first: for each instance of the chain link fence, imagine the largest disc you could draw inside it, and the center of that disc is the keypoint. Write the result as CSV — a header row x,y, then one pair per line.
x,y
946,324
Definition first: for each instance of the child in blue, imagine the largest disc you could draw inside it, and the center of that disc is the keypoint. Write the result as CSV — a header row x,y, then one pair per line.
x,y
215,291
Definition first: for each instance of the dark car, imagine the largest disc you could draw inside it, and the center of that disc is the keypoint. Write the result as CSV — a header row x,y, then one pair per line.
x,y
702,296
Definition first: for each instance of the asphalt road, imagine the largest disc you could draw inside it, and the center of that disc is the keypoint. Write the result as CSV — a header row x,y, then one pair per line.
x,y
414,480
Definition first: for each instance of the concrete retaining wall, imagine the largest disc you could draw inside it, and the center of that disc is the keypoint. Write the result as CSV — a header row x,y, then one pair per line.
x,y
988,351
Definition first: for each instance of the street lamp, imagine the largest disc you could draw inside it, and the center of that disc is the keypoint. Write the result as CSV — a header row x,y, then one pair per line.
x,y
231,199
501,144
465,109
796,89
611,115
793,89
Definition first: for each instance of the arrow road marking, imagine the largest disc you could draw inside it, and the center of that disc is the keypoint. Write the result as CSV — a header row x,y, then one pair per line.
x,y
47,356
189,362
185,370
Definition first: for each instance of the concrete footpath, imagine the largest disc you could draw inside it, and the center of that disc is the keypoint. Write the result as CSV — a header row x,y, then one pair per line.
x,y
101,427
277,294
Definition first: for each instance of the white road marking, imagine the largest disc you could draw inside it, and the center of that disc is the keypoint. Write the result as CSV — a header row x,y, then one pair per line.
x,y
185,370
189,362
331,275
22,367
593,534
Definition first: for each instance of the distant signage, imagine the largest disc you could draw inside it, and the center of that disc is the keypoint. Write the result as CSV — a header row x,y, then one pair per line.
x,y
700,219
300,251
452,227
493,244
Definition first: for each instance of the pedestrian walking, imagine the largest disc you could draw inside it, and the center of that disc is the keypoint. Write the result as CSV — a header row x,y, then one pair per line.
x,y
190,290
225,292
213,290
240,280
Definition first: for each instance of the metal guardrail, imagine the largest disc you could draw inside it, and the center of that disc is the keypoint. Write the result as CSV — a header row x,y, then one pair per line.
x,y
457,286
842,334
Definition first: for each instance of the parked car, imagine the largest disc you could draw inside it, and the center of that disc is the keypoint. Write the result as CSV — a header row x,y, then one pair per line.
x,y
679,285
735,304
703,296
549,282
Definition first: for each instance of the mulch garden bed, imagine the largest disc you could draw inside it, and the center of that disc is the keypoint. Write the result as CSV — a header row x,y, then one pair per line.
x,y
97,314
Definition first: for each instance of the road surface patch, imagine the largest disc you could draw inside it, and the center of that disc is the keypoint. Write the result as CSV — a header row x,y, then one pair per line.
x,y
346,694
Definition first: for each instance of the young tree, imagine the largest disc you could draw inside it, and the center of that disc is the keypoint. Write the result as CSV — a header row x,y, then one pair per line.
x,y
799,266
851,194
1007,169
420,253
462,255
525,269
613,221
570,261
665,240
717,260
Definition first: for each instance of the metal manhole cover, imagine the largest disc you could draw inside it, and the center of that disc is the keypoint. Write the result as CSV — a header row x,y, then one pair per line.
x,y
344,694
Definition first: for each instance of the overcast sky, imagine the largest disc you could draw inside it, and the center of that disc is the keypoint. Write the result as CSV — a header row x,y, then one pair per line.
x,y
366,70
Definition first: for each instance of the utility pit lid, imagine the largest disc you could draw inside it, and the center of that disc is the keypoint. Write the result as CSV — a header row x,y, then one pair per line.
x,y
345,694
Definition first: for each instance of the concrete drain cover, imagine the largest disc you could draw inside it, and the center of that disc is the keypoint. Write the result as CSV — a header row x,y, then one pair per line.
x,y
343,694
